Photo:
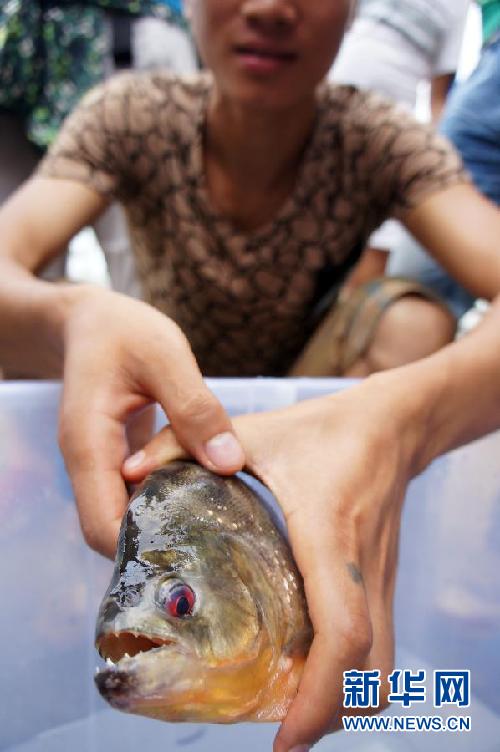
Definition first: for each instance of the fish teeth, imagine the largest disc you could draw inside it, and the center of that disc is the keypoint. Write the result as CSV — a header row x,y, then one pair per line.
x,y
109,662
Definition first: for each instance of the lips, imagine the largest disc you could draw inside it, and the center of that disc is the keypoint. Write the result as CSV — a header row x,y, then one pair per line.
x,y
266,53
263,60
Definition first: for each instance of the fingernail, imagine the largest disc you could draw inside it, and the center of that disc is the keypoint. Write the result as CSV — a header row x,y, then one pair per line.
x,y
224,450
133,462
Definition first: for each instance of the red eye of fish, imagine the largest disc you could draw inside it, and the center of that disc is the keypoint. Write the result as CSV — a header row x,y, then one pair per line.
x,y
180,601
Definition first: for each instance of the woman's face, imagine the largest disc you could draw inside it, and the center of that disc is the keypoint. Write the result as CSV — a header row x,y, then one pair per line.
x,y
269,53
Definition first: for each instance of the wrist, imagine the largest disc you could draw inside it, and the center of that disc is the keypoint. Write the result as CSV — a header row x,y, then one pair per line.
x,y
54,308
69,302
408,399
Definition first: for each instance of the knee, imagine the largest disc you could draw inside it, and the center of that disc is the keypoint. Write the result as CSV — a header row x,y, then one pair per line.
x,y
410,329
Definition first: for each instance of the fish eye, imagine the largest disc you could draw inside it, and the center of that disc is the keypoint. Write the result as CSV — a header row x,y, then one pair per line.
x,y
176,598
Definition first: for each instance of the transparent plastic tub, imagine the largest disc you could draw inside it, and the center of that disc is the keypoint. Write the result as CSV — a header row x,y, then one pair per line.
x,y
447,596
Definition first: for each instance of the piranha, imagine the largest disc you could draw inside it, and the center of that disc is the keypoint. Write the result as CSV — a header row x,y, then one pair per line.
x,y
205,618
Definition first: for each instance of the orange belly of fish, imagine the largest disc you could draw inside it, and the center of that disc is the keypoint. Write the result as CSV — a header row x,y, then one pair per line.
x,y
233,693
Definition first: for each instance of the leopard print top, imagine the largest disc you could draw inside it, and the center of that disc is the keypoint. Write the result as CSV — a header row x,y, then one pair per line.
x,y
244,299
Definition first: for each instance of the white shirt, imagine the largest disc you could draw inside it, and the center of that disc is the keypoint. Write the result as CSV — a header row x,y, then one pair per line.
x,y
435,27
386,51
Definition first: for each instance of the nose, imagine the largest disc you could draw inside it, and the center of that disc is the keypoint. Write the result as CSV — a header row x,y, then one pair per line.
x,y
270,15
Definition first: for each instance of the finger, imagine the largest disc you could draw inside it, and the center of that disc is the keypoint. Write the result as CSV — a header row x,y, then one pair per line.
x,y
93,446
163,447
342,640
200,423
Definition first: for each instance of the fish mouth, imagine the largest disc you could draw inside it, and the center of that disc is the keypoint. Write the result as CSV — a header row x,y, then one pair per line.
x,y
125,652
117,647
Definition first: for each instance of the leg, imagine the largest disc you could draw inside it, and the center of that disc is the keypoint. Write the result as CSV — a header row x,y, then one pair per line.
x,y
380,325
374,258
410,260
370,266
410,329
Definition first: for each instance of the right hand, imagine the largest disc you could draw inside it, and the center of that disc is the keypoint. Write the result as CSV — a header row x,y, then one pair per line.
x,y
120,356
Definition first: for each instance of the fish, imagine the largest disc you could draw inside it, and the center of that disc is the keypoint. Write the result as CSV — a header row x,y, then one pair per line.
x,y
205,618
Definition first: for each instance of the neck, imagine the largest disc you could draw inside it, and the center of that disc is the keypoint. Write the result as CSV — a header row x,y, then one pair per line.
x,y
252,157
261,145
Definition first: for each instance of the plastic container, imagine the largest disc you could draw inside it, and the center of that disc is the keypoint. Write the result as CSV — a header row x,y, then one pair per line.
x,y
447,598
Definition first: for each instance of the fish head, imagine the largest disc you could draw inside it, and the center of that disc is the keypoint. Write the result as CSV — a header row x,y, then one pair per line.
x,y
189,623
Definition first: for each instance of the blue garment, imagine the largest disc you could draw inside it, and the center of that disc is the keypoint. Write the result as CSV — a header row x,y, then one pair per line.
x,y
174,5
472,123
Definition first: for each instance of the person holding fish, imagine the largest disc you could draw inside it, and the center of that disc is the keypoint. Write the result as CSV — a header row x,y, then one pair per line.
x,y
250,191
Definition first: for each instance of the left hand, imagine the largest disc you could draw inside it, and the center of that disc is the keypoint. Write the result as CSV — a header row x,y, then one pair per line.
x,y
339,466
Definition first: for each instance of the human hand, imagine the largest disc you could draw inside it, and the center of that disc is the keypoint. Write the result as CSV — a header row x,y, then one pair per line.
x,y
339,467
121,355
339,473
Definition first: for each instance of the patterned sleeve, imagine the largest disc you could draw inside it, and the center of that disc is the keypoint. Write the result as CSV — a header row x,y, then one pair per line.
x,y
396,160
97,145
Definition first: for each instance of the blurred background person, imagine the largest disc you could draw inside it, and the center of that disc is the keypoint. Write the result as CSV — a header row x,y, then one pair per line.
x,y
471,121
392,47
51,53
158,43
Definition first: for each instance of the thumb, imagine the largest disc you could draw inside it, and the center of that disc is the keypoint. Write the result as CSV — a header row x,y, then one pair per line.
x,y
200,424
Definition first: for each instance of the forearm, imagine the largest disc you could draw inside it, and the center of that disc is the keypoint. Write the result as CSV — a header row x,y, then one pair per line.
x,y
452,397
32,320
36,223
